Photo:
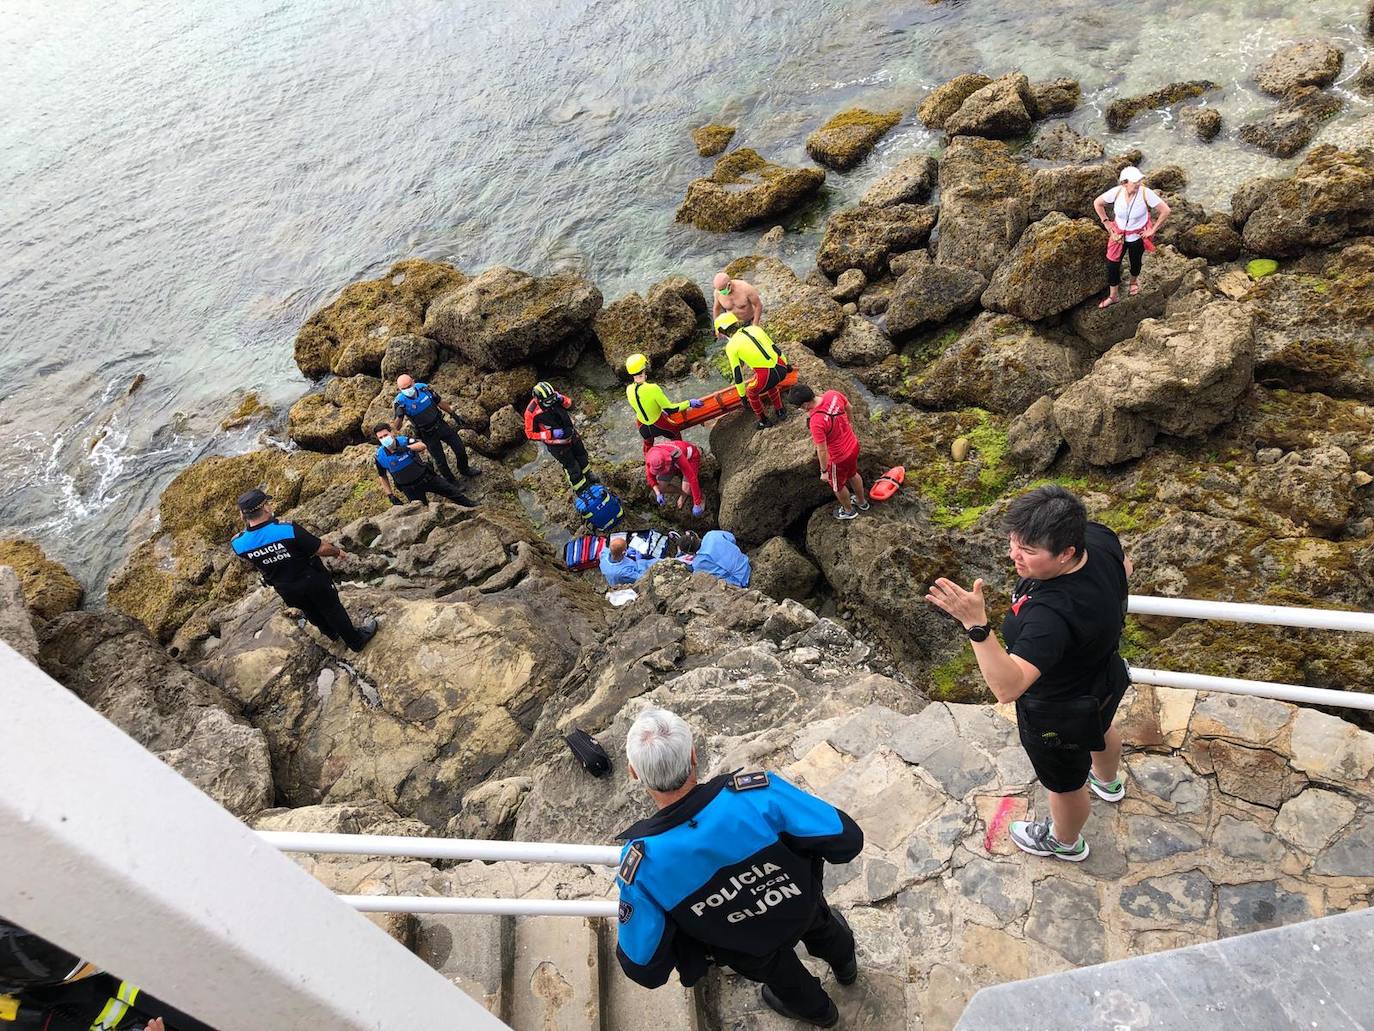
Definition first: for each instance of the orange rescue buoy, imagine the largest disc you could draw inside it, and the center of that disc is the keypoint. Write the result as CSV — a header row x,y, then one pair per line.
x,y
886,485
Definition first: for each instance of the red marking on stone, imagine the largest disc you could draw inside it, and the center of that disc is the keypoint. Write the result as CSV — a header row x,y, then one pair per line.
x,y
999,822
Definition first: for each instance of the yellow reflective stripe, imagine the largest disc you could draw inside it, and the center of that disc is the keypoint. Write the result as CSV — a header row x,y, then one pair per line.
x,y
127,992
110,1016
9,1007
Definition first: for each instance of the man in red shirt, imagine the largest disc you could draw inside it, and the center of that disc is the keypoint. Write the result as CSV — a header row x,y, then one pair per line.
x,y
837,448
670,458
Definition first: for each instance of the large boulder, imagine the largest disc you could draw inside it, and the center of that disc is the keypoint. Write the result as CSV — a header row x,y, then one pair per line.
x,y
781,571
16,626
910,182
1328,197
1214,239
945,99
49,590
505,317
1059,142
657,327
1292,125
1206,121
1070,189
745,188
861,343
1054,97
768,477
111,663
1000,363
983,208
332,418
929,294
1057,262
1000,110
409,355
846,139
1309,62
1160,276
794,311
863,237
349,336
1121,112
1183,376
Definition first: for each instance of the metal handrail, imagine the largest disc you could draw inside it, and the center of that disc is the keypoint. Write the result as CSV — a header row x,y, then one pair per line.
x,y
495,907
1242,612
1260,688
442,848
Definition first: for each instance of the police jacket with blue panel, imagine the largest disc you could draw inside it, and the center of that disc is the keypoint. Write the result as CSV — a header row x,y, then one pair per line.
x,y
281,552
403,464
734,866
423,409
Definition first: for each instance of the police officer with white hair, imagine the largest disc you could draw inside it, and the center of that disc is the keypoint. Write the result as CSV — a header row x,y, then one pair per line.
x,y
730,872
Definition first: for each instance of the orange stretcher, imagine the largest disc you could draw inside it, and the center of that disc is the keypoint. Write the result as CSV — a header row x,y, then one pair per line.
x,y
713,406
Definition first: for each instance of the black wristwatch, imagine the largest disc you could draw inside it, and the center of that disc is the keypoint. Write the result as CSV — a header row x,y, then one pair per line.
x,y
978,633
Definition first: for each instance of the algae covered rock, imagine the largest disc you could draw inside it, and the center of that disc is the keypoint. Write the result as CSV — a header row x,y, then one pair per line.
x,y
712,139
409,355
657,327
1184,376
983,207
1121,112
861,343
846,139
1057,263
332,419
1309,62
49,590
1206,121
910,182
1054,97
1059,142
1292,125
863,237
1000,110
745,188
1328,197
1033,437
947,98
929,294
1070,189
505,317
794,311
1161,275
349,335
1215,239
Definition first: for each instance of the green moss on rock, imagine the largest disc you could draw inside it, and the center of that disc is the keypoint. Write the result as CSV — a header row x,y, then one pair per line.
x,y
711,139
848,137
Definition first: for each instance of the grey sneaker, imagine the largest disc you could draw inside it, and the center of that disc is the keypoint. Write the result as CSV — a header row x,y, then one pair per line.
x,y
864,506
1036,839
1108,792
846,513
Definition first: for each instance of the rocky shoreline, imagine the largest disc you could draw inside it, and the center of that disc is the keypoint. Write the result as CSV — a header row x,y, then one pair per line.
x,y
1222,421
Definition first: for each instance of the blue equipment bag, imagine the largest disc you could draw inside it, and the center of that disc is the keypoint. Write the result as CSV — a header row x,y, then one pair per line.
x,y
599,507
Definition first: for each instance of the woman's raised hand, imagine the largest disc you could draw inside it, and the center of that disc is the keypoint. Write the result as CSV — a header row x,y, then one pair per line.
x,y
965,606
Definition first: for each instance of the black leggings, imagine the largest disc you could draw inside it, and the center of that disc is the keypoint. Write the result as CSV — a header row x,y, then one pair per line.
x,y
318,599
434,438
572,456
429,484
1135,250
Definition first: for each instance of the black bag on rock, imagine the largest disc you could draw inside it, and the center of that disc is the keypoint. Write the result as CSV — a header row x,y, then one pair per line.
x,y
589,753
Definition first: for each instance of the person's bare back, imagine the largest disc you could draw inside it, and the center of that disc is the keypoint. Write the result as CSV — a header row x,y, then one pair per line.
x,y
737,297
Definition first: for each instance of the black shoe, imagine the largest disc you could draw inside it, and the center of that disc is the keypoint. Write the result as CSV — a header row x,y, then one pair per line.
x,y
829,1018
366,632
472,470
847,973
762,424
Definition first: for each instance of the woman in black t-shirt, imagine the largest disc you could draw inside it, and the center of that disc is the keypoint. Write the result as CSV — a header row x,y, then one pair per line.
x,y
1062,666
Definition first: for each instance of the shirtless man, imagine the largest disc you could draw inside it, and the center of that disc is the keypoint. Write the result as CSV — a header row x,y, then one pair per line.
x,y
737,297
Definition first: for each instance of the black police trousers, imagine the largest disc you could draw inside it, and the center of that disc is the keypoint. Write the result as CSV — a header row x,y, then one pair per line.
x,y
429,484
441,433
572,456
318,599
796,987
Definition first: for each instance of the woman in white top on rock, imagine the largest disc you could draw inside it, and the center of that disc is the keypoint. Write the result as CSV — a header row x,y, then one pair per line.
x,y
1131,227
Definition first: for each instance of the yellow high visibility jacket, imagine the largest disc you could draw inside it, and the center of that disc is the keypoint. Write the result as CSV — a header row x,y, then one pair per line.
x,y
750,347
649,402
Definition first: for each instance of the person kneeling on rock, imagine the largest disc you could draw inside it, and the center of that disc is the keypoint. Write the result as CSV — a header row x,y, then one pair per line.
x,y
621,565
729,873
402,459
288,559
716,553
669,462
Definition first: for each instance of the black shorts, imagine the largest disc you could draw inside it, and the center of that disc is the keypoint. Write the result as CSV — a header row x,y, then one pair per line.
x,y
1060,741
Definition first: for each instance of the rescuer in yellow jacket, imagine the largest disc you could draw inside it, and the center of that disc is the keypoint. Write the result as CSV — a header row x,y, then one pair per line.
x,y
650,403
756,365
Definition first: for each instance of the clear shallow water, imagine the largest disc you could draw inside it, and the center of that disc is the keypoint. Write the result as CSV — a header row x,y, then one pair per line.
x,y
181,184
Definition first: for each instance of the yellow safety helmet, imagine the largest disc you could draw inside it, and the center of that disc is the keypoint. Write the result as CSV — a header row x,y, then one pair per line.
x,y
543,392
635,364
726,321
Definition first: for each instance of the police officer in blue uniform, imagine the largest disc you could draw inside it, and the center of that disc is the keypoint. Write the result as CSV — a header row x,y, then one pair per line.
x,y
288,559
422,405
730,872
402,459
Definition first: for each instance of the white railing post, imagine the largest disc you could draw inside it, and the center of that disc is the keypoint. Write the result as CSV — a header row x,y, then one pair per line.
x,y
1243,612
110,853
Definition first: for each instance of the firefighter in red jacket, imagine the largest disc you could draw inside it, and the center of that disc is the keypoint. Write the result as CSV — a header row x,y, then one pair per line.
x,y
548,420
669,459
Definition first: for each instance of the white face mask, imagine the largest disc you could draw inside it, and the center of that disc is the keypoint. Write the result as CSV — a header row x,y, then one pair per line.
x,y
388,442
410,391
